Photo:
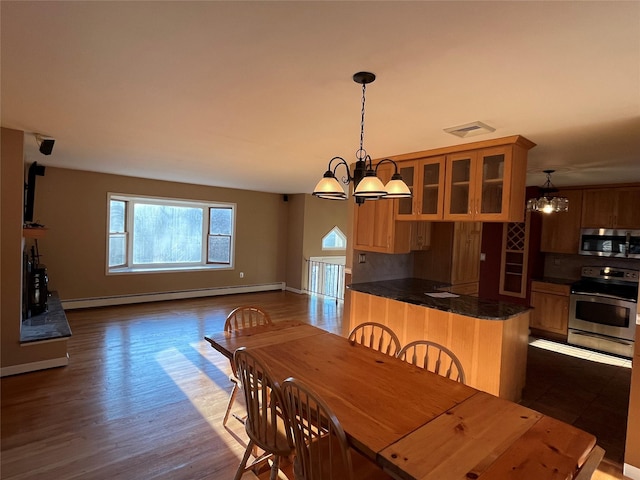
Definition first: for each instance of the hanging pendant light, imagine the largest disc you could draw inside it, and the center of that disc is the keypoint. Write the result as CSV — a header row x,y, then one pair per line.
x,y
367,185
548,201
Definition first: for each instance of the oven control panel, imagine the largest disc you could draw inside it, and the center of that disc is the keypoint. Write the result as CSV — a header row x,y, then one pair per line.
x,y
611,273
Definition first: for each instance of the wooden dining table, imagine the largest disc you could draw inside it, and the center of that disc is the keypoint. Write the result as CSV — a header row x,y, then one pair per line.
x,y
413,423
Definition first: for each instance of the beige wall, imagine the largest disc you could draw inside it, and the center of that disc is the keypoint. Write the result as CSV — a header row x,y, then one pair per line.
x,y
273,236
320,218
295,260
310,219
72,204
12,191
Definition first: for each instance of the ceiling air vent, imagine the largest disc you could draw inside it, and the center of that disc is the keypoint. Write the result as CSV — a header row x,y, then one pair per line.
x,y
470,129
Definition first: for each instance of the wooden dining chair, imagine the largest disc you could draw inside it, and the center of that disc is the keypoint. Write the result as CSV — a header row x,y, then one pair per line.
x,y
591,464
433,357
241,317
377,336
322,450
266,425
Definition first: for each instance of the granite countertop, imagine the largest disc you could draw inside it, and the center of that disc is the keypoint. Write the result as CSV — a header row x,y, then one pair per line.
x,y
413,290
49,325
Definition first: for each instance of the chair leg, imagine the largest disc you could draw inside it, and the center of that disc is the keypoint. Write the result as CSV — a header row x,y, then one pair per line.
x,y
232,399
275,467
243,463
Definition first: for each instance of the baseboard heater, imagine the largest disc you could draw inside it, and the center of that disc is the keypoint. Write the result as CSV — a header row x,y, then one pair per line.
x,y
160,296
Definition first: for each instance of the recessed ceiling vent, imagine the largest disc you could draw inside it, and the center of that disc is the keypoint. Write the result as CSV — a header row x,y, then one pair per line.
x,y
470,129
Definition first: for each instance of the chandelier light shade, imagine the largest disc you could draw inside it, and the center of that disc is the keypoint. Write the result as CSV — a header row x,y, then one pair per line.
x,y
549,201
366,184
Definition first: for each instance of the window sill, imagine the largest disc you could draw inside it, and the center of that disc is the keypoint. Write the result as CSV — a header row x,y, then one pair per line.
x,y
139,270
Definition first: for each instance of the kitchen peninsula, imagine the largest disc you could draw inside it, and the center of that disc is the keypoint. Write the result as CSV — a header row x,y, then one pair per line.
x,y
490,338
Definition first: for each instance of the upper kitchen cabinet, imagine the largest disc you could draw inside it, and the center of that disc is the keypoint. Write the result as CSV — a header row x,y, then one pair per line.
x,y
425,178
561,230
487,184
375,227
611,208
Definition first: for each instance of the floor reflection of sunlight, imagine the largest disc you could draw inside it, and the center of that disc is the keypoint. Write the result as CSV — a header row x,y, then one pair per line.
x,y
580,352
198,387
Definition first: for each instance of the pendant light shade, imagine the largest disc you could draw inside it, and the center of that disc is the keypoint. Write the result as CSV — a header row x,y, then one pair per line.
x,y
370,186
329,188
366,184
548,201
396,188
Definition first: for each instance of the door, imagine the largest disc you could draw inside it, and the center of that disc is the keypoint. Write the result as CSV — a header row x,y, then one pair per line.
x,y
561,230
425,179
465,262
430,190
550,312
459,192
493,190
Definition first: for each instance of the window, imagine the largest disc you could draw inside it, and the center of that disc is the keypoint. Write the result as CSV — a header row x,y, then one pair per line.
x,y
159,234
334,240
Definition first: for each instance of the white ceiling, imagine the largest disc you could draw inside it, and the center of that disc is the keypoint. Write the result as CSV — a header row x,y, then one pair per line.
x,y
259,95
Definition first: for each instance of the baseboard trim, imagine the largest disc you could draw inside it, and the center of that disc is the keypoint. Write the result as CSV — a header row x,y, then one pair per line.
x,y
295,290
155,297
632,472
34,366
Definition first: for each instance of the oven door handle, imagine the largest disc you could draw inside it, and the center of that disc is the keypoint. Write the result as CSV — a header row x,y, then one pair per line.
x,y
610,339
603,295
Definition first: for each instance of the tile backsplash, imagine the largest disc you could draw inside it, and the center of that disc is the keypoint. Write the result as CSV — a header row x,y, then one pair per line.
x,y
381,266
568,266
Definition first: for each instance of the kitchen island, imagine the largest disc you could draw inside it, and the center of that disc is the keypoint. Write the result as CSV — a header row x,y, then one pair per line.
x,y
490,338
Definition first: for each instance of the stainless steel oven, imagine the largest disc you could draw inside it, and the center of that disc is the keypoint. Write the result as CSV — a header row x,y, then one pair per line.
x,y
610,243
603,310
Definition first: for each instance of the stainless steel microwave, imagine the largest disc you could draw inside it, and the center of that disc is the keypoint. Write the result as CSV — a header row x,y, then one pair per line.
x,y
610,243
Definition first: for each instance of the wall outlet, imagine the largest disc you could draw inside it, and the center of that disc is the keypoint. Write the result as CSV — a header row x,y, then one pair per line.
x,y
362,258
483,257
241,274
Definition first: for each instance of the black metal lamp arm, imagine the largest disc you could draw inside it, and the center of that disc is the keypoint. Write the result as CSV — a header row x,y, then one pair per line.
x,y
332,171
387,160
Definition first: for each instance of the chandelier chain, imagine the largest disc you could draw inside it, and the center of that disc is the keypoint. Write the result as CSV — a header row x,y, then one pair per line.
x,y
361,154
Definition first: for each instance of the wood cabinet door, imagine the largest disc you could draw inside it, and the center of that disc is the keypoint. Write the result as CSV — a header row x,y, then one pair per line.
x,y
364,216
459,195
561,231
478,186
598,206
493,184
550,313
425,179
375,228
628,209
465,263
406,208
430,188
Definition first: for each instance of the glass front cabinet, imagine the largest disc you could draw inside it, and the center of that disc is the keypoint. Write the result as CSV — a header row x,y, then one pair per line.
x,y
425,179
481,185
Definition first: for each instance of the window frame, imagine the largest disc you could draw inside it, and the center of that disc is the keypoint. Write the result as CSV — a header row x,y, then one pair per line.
x,y
204,264
340,234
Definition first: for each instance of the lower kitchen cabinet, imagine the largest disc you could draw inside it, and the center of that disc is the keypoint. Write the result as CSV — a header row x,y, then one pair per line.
x,y
550,315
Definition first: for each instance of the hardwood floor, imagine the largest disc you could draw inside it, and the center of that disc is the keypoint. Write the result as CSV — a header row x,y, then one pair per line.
x,y
143,395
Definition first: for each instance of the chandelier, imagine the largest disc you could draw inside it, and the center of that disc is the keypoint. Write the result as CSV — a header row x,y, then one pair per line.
x,y
367,185
548,201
